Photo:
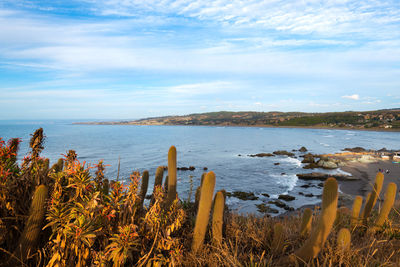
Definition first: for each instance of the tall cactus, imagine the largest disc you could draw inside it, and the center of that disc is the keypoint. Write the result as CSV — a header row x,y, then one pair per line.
x,y
344,240
171,175
369,205
218,217
33,226
305,226
157,181
278,239
203,212
315,242
355,212
143,187
390,197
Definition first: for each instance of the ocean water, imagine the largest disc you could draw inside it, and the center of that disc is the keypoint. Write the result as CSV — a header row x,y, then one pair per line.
x,y
217,148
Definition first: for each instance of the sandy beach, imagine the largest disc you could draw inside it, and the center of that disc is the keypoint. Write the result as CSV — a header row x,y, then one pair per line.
x,y
366,173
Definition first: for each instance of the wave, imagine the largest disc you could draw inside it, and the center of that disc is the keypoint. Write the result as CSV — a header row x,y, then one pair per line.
x,y
329,135
287,180
292,160
324,144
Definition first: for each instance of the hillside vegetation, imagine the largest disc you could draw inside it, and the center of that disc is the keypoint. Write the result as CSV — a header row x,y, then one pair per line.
x,y
380,119
70,215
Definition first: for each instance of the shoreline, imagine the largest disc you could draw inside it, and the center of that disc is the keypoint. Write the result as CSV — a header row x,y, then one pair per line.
x,y
376,129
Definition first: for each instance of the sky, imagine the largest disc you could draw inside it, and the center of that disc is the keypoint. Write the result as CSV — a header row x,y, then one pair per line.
x,y
129,59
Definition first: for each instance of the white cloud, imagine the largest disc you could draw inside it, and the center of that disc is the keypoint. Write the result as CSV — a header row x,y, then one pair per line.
x,y
354,97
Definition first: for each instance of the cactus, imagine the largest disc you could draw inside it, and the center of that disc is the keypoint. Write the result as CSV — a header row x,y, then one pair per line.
x,y
143,188
218,217
306,220
318,236
366,201
344,239
30,235
341,215
171,175
369,205
278,238
157,181
57,167
203,212
197,196
355,212
390,197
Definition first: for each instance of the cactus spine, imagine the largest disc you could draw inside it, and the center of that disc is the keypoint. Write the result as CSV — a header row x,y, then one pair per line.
x,y
344,239
374,195
203,212
143,187
218,217
306,220
278,238
171,175
30,235
318,236
390,197
355,212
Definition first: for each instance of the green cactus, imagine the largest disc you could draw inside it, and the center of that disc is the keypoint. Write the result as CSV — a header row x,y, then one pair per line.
x,y
318,236
369,205
390,197
344,240
157,181
218,217
197,196
278,239
33,226
171,175
144,186
203,212
306,221
355,212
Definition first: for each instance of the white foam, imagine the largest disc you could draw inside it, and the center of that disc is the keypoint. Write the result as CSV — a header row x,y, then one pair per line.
x,y
339,171
329,136
324,144
293,161
286,180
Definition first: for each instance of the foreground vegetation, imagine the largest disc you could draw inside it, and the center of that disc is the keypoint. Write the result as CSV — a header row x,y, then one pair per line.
x,y
70,214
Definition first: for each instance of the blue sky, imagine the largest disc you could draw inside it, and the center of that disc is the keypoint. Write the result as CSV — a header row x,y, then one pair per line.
x,y
126,59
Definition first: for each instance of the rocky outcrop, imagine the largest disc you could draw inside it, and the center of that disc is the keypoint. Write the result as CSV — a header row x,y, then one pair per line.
x,y
329,163
356,149
266,208
260,155
303,149
323,176
283,152
286,197
190,168
242,195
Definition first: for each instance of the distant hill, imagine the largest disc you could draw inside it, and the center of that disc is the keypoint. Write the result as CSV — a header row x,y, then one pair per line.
x,y
377,119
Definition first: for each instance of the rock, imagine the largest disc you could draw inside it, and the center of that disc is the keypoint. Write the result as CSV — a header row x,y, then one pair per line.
x,y
305,186
276,163
261,155
286,197
303,149
190,168
283,173
367,159
265,194
321,184
329,163
309,195
308,158
239,155
356,149
311,166
205,168
301,193
244,195
266,208
283,152
323,176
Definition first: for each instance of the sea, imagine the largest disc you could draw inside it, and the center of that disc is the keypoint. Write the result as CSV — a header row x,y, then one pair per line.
x,y
223,150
